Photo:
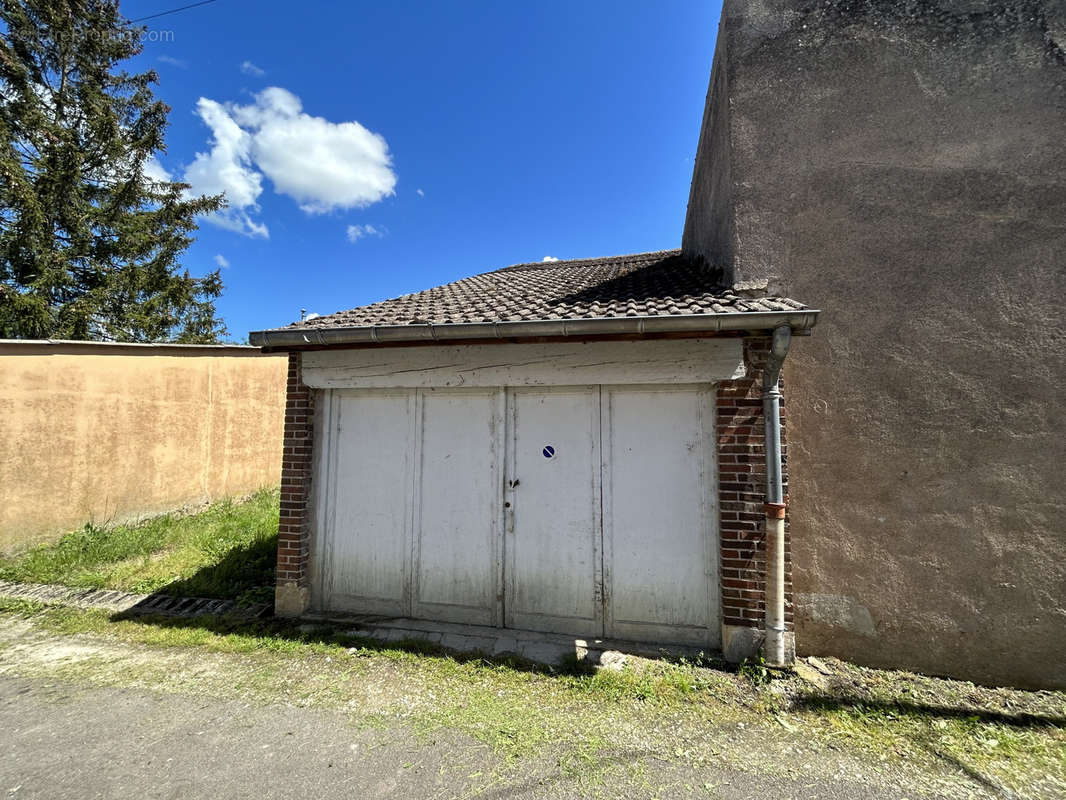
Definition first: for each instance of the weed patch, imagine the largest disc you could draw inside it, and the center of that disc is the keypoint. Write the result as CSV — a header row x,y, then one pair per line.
x,y
226,551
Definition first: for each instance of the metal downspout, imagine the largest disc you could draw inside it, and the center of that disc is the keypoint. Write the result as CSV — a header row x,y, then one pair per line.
x,y
774,646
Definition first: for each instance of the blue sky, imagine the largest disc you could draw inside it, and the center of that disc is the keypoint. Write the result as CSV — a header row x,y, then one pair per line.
x,y
370,150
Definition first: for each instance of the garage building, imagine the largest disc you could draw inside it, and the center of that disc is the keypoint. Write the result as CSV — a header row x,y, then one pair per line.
x,y
574,447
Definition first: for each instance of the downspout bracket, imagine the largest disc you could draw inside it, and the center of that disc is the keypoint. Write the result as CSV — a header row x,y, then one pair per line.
x,y
774,510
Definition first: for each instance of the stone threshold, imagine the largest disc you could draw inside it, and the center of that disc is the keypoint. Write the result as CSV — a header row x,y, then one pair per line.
x,y
129,603
550,649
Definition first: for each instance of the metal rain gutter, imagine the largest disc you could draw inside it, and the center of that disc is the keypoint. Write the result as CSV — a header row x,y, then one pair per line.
x,y
799,321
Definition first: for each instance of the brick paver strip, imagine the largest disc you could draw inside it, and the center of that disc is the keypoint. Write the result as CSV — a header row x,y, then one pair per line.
x,y
127,602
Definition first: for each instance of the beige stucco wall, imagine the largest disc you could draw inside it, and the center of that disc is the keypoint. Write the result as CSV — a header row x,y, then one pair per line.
x,y
93,432
906,173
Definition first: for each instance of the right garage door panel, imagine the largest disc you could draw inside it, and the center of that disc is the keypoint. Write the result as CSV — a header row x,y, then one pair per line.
x,y
660,542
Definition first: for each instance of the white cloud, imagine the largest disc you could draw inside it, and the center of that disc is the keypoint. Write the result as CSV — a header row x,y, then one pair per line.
x,y
222,261
420,193
357,232
546,259
155,171
239,222
322,165
174,62
227,168
248,68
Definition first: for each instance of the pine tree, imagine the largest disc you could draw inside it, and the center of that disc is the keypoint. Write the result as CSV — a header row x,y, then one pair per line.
x,y
89,242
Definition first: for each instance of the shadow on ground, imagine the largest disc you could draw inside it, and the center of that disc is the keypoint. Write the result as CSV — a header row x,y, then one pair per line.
x,y
276,633
281,631
243,574
246,576
847,701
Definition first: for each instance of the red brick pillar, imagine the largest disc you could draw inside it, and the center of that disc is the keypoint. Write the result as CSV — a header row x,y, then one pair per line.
x,y
293,592
741,492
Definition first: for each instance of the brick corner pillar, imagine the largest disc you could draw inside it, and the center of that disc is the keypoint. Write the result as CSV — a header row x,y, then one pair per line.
x,y
293,592
741,493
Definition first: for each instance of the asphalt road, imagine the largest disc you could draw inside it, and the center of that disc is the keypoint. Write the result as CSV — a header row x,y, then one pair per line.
x,y
61,740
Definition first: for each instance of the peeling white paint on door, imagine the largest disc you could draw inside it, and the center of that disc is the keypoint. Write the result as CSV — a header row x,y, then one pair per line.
x,y
659,527
457,507
554,531
368,499
588,510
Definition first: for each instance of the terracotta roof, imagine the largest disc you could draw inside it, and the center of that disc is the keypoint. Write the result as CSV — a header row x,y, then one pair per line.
x,y
642,285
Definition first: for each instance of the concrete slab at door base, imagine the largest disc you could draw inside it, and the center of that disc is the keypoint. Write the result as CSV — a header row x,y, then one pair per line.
x,y
549,649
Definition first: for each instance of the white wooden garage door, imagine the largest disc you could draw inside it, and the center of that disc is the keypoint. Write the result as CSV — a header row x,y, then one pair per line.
x,y
586,510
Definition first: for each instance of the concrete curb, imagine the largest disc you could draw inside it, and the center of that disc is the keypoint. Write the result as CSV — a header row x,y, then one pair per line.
x,y
129,603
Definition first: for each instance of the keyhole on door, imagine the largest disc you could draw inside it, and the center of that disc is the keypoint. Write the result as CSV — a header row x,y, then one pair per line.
x,y
548,451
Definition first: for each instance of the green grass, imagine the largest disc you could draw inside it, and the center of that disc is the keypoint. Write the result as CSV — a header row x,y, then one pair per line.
x,y
226,551
683,712
659,684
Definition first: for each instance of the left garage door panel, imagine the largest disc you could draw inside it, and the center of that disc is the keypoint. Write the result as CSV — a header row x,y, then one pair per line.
x,y
410,510
458,513
366,524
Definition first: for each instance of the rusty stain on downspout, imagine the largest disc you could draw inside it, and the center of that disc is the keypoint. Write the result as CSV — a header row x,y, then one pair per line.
x,y
774,645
